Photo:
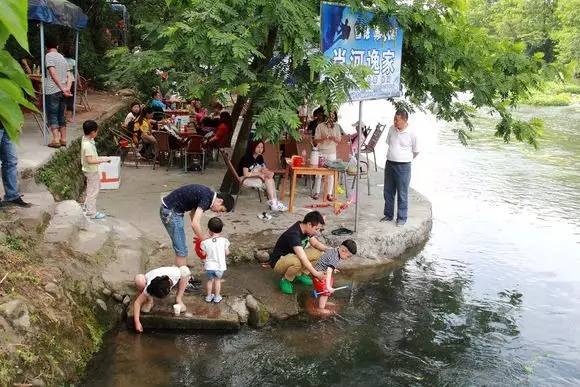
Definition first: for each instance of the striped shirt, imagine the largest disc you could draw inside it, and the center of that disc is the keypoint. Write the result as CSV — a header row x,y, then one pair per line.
x,y
330,258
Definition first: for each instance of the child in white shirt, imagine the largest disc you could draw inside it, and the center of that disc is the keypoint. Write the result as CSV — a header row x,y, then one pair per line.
x,y
216,248
158,283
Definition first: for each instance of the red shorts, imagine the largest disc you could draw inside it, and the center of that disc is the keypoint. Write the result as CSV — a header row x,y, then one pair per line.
x,y
320,285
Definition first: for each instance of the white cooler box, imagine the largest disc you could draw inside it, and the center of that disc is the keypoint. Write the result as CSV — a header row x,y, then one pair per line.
x,y
110,173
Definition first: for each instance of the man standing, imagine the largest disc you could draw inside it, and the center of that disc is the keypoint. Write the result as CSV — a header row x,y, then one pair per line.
x,y
403,148
196,199
295,251
56,89
9,172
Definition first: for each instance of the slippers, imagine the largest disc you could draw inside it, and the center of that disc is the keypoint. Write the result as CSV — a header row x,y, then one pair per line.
x,y
264,216
54,145
341,231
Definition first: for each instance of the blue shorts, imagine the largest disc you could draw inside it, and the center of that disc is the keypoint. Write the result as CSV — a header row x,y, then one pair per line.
x,y
173,223
55,107
214,274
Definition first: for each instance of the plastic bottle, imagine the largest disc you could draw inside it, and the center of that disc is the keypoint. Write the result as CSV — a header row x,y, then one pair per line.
x,y
314,156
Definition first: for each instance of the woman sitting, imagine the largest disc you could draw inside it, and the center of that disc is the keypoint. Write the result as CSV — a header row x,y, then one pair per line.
x,y
131,117
253,165
199,112
142,129
221,136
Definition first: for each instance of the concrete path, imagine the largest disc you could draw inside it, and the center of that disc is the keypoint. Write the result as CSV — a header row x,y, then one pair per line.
x,y
138,200
33,153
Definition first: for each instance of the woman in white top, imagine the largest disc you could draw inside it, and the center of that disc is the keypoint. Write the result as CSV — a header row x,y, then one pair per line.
x,y
132,115
326,137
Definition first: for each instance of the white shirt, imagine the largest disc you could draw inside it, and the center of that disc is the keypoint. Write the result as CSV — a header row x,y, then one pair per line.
x,y
56,60
322,130
130,117
402,144
215,248
172,272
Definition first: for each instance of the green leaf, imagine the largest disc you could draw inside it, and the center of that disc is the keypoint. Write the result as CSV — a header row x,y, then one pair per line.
x,y
10,67
10,115
14,18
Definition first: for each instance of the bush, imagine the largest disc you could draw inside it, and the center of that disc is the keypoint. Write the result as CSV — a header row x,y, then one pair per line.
x,y
540,99
63,175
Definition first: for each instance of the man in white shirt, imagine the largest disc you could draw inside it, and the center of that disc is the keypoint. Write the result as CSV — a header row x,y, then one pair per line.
x,y
403,148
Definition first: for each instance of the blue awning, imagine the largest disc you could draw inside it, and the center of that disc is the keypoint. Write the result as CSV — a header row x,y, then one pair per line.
x,y
59,12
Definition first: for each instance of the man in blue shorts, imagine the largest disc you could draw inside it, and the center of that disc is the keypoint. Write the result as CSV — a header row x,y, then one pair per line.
x,y
195,199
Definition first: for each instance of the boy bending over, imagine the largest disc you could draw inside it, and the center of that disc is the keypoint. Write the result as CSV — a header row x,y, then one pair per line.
x,y
327,264
158,283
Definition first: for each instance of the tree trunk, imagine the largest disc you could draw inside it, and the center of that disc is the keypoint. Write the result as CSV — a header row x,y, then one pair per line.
x,y
239,149
237,109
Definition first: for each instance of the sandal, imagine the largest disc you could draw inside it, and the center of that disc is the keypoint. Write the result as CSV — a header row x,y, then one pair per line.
x,y
341,231
62,143
54,145
330,198
315,196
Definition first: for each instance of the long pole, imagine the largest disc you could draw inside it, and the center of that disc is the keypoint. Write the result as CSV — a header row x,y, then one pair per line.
x,y
76,75
359,132
43,74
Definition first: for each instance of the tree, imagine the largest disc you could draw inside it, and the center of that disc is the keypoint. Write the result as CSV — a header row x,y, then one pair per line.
x,y
568,35
13,81
266,53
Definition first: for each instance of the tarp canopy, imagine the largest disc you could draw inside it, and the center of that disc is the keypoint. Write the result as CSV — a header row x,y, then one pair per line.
x,y
59,12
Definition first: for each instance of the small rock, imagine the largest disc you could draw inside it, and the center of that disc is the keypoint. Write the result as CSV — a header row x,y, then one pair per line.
x,y
52,288
258,316
238,304
117,297
106,291
251,303
126,300
262,256
16,312
102,304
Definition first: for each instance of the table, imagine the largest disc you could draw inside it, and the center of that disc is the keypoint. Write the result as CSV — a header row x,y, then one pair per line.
x,y
311,171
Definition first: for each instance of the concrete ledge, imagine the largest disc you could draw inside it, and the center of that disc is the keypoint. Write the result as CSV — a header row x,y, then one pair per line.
x,y
200,315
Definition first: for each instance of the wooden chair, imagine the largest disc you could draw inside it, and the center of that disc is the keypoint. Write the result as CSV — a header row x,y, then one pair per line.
x,y
273,160
82,94
126,146
194,146
238,179
163,147
371,143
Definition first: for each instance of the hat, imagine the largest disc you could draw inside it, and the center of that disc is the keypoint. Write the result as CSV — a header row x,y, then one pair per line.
x,y
356,124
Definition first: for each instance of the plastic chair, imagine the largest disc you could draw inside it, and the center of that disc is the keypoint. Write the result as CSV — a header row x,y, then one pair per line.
x,y
163,147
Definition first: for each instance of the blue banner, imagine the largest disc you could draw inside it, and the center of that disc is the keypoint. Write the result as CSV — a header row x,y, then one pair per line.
x,y
346,37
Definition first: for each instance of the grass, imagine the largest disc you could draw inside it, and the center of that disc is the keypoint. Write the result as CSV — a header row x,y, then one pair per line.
x,y
63,176
64,332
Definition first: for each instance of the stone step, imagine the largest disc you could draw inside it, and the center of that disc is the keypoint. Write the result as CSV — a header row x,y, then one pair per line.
x,y
200,315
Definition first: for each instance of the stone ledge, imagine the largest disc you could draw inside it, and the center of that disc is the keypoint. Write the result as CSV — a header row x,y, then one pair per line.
x,y
200,315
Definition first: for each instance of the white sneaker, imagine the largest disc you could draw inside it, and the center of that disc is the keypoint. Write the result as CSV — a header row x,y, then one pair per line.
x,y
281,207
217,299
209,298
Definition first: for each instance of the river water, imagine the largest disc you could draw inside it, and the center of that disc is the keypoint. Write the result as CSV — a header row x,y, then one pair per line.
x,y
492,299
